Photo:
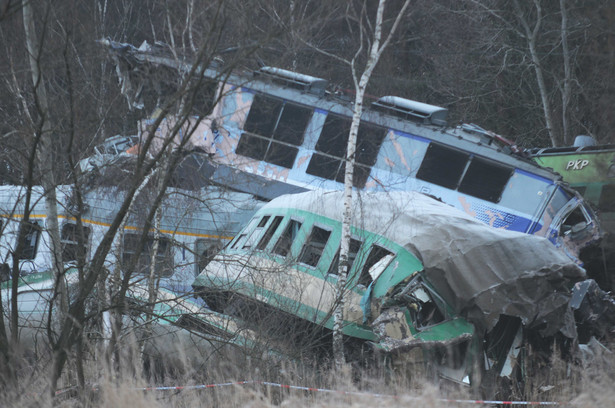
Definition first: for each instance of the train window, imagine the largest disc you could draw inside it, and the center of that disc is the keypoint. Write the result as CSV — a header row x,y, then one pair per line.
x,y
164,255
574,222
485,180
559,200
239,239
274,130
205,250
607,198
442,166
282,247
71,237
249,243
329,159
314,246
270,231
29,238
377,260
203,97
355,245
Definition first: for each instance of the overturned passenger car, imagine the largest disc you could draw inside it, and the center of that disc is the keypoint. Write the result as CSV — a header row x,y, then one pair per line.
x,y
427,282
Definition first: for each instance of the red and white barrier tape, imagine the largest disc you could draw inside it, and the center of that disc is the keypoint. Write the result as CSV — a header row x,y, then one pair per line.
x,y
313,389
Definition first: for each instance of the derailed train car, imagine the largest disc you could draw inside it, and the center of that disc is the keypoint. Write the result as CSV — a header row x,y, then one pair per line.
x,y
193,226
271,131
427,283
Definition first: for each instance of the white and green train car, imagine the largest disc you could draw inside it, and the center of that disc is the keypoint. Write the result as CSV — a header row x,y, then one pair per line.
x,y
426,280
193,226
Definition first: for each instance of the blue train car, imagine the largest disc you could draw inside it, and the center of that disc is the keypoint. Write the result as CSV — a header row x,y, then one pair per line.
x,y
273,131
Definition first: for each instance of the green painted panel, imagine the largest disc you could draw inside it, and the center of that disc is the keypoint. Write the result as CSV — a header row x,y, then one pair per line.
x,y
582,168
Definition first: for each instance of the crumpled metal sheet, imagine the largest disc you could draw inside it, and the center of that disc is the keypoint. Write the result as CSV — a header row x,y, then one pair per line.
x,y
594,309
480,271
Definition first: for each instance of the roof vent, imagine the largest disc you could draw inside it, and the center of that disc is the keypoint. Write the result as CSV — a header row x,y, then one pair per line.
x,y
584,140
412,110
295,80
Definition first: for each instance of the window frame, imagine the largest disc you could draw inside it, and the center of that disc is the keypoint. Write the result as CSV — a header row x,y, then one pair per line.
x,y
364,277
333,271
270,232
324,156
66,241
273,136
209,243
143,263
465,166
286,227
250,241
308,240
28,248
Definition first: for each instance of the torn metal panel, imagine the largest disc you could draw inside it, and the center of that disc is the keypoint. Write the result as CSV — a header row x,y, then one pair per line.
x,y
110,152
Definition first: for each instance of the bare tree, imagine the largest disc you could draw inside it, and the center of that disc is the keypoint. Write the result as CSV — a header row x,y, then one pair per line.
x,y
55,147
371,44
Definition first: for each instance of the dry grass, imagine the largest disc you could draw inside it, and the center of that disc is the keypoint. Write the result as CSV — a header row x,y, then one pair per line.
x,y
575,386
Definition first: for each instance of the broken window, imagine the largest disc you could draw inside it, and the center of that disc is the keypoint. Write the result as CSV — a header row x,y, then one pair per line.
x,y
72,236
446,167
282,247
249,243
574,224
485,180
607,198
355,245
314,246
29,238
443,166
205,250
422,308
164,256
329,159
273,131
270,231
377,261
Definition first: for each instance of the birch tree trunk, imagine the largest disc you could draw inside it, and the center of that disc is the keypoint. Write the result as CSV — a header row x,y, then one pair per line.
x,y
360,84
